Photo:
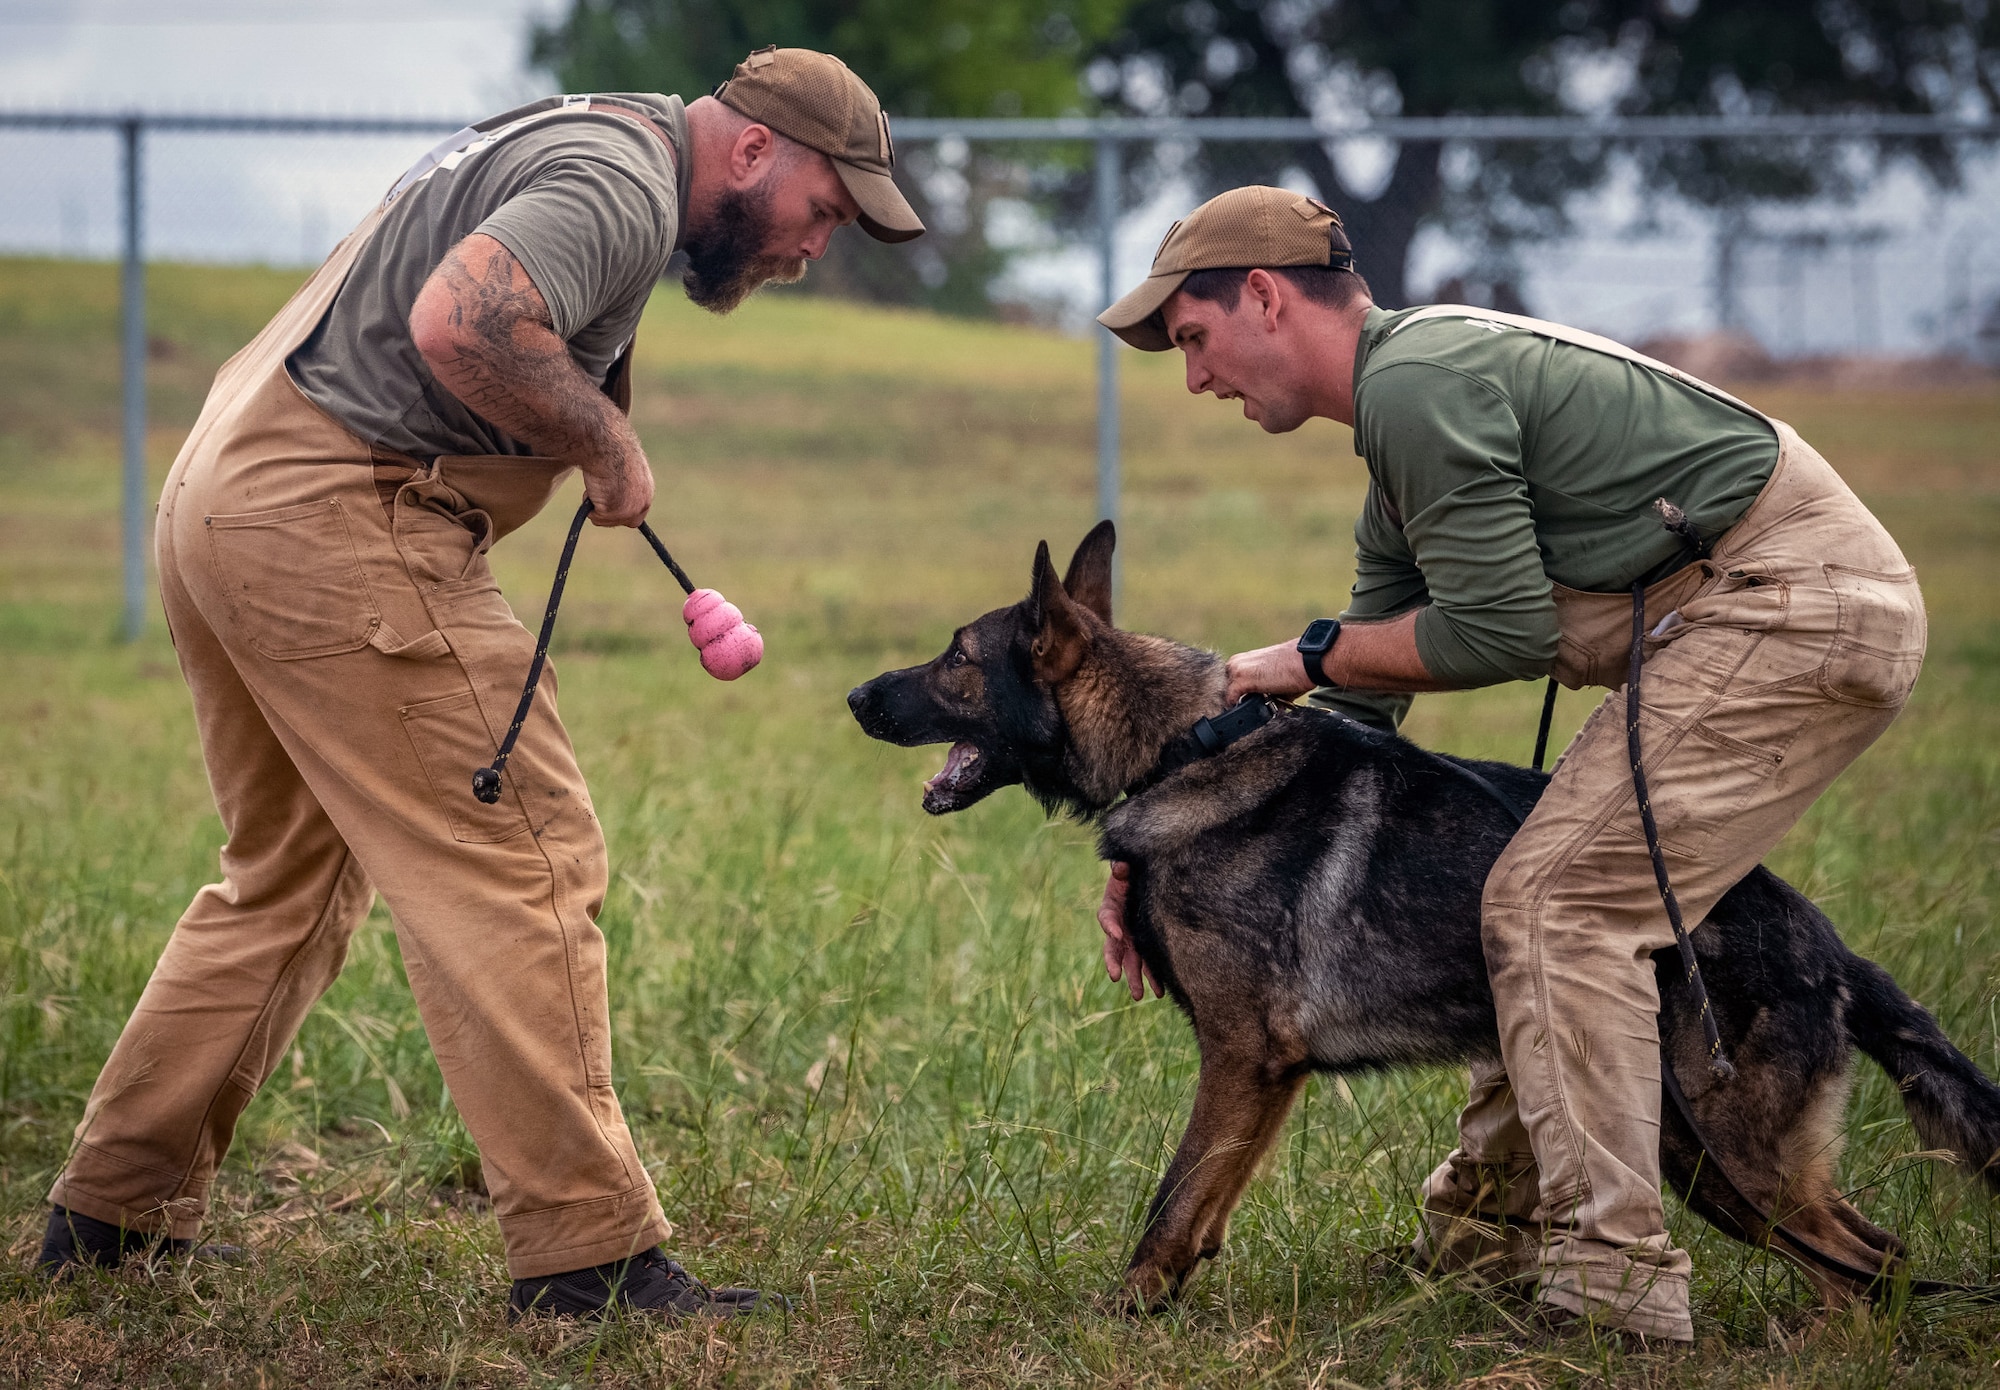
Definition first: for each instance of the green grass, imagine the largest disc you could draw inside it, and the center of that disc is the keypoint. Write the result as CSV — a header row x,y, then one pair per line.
x,y
870,1057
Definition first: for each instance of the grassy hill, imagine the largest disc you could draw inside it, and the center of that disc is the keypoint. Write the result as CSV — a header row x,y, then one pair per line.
x,y
870,1057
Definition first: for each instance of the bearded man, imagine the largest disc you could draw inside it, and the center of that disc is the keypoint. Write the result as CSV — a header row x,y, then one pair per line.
x,y
1514,468
322,551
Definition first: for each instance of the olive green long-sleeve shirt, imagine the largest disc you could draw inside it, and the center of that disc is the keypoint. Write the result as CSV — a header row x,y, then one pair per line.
x,y
1499,460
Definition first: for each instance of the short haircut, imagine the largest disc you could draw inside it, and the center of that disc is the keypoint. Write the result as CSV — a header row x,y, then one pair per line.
x,y
1330,287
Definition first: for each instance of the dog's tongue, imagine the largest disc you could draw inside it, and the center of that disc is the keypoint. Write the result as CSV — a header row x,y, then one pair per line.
x,y
956,763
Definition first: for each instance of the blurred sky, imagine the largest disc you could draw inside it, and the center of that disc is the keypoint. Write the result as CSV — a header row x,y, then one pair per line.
x,y
423,56
235,197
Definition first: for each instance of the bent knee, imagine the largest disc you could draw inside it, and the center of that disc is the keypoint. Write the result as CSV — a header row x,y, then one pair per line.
x,y
1514,881
1510,903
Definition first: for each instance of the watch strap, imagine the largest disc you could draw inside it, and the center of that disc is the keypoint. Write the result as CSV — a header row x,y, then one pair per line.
x,y
1314,671
1313,653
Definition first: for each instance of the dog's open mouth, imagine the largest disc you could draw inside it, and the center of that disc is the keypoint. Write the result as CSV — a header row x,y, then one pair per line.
x,y
959,775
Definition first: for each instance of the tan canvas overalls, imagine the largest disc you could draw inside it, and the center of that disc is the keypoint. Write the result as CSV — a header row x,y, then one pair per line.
x,y
352,661
1773,663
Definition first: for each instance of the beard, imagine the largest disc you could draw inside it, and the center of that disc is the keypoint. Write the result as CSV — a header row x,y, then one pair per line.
x,y
726,264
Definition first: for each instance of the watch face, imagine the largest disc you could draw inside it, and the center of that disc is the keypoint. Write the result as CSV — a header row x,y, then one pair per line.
x,y
1319,634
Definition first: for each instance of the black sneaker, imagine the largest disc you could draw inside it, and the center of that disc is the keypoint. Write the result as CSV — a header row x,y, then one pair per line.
x,y
74,1239
649,1282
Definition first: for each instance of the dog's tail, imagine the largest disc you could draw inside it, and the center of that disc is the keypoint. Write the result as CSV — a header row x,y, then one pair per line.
x,y
1953,1104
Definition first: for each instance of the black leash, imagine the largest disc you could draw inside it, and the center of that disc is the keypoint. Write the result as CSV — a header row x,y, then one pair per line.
x,y
486,781
1718,1062
1548,718
680,575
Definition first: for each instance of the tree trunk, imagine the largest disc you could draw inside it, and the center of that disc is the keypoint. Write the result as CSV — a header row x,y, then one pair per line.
x,y
1383,228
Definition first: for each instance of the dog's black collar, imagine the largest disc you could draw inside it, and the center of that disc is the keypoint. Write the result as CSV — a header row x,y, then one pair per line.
x,y
1208,737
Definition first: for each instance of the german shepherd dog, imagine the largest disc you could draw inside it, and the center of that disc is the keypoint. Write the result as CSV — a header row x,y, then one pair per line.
x,y
1310,899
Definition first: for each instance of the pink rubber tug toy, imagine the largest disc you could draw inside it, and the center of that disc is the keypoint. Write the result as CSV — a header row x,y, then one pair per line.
x,y
728,645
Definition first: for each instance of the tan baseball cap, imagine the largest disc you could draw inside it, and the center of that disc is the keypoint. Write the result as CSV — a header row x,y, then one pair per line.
x,y
814,99
1243,229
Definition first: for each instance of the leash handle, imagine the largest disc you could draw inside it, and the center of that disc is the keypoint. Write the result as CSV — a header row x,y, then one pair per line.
x,y
486,781
1718,1062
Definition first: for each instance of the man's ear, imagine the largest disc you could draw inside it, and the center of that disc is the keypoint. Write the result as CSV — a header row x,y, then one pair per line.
x,y
751,156
1266,293
1089,577
1059,644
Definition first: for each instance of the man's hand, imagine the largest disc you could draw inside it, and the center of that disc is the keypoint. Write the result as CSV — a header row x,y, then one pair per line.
x,y
1121,957
1278,670
1380,655
486,334
620,493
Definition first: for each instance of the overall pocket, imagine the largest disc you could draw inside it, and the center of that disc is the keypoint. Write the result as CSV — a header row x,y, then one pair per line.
x,y
441,539
1879,637
1749,595
451,740
293,581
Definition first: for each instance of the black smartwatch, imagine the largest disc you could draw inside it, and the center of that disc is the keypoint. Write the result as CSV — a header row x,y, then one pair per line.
x,y
1318,640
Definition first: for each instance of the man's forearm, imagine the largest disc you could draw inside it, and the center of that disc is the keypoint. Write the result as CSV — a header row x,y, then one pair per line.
x,y
1381,656
502,359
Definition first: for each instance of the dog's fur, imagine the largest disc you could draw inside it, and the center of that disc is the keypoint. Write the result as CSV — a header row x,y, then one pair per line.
x,y
1310,898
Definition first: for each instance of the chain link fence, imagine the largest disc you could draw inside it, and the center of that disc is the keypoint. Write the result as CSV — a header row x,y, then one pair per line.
x,y
1047,219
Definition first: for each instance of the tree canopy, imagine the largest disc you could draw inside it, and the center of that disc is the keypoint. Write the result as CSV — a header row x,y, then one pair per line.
x,y
1340,61
921,57
1354,59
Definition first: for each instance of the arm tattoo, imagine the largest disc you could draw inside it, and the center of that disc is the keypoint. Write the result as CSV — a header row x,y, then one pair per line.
x,y
506,363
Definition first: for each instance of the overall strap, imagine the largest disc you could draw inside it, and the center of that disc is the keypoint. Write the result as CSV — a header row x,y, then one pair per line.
x,y
1575,337
462,144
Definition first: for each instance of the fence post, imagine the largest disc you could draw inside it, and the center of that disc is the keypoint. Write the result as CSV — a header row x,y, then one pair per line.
x,y
1107,345
132,303
1729,229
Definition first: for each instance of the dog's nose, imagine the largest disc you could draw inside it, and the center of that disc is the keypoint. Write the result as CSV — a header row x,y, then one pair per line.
x,y
856,697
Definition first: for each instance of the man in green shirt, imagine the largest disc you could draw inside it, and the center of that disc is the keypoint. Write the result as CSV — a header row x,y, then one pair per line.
x,y
1514,469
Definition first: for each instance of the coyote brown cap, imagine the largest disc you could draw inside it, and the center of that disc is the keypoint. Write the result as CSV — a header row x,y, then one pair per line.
x,y
1244,229
814,99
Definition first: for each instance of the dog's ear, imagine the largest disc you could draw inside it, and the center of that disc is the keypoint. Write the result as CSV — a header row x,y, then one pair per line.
x,y
1060,638
1089,577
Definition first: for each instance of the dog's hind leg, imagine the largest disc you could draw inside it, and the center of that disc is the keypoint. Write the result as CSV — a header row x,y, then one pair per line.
x,y
1239,1106
1809,1204
1887,1244
1819,1215
1786,1177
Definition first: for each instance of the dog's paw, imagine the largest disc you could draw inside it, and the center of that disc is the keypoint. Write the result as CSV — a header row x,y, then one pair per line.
x,y
1147,1289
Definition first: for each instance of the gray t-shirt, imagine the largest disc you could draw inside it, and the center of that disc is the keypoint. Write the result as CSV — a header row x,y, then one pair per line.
x,y
588,202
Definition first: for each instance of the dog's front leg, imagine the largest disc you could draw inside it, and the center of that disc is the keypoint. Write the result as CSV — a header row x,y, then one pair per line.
x,y
1239,1106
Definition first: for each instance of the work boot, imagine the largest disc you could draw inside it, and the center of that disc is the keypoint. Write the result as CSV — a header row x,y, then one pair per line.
x,y
1556,1323
1479,1221
647,1283
74,1240
1483,1251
